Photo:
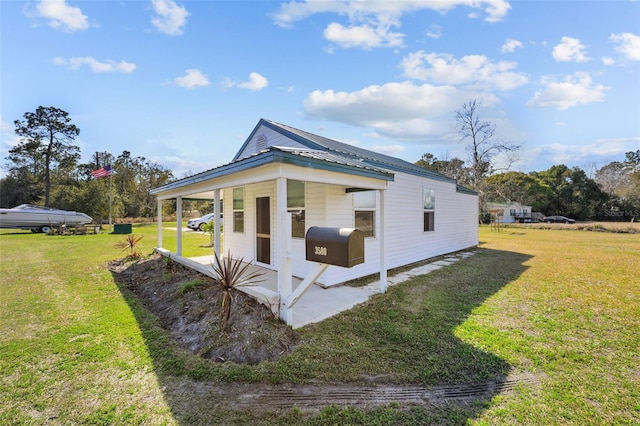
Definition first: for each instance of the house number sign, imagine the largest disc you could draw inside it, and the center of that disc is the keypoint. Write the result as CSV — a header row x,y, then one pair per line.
x,y
321,251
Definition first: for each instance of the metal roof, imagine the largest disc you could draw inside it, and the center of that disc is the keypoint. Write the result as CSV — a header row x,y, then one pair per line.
x,y
373,158
300,157
321,153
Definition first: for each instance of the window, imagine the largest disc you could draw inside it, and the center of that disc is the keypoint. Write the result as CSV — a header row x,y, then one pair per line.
x,y
238,209
428,206
365,209
296,206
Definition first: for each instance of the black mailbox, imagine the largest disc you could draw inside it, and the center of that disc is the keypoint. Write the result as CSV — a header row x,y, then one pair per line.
x,y
335,246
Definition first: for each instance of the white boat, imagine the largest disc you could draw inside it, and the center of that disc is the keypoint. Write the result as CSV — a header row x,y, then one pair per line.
x,y
40,219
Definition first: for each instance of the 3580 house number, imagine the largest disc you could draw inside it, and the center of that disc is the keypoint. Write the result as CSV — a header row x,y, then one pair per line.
x,y
321,251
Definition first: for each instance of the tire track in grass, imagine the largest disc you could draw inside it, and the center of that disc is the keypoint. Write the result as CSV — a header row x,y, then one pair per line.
x,y
256,397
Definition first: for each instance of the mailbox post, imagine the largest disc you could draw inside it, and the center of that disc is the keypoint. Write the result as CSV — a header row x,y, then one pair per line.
x,y
329,246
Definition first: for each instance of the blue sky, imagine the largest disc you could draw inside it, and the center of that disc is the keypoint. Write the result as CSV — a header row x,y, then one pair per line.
x,y
183,83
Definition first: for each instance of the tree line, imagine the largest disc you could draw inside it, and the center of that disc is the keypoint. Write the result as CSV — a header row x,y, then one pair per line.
x,y
613,193
44,168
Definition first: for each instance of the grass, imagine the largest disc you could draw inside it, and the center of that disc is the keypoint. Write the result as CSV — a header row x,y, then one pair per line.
x,y
562,305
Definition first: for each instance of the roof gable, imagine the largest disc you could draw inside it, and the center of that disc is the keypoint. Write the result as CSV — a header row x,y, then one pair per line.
x,y
300,138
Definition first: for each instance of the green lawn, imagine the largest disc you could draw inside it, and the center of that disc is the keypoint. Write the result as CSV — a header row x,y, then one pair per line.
x,y
561,305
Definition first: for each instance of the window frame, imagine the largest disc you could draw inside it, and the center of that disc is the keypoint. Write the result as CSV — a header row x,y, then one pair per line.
x,y
238,213
428,209
364,206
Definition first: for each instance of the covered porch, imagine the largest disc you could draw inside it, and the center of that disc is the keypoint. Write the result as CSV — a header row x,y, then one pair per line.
x,y
315,304
289,290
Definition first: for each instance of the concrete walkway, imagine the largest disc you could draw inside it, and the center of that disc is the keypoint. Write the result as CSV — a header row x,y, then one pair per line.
x,y
317,303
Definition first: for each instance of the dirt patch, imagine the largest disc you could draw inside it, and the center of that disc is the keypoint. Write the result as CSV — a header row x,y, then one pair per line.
x,y
187,304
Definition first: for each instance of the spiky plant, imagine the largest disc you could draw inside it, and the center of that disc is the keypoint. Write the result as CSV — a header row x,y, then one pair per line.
x,y
231,274
130,243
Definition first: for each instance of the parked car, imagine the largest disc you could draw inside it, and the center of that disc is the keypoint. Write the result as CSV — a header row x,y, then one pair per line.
x,y
198,223
558,219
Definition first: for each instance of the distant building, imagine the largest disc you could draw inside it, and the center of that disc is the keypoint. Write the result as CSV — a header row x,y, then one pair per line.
x,y
510,212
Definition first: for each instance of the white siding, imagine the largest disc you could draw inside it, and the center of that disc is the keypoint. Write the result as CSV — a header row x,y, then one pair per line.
x,y
243,245
456,218
326,205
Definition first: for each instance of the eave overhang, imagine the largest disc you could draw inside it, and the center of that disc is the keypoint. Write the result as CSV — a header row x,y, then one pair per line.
x,y
319,160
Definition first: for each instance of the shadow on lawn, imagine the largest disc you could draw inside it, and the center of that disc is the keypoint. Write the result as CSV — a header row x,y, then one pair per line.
x,y
406,336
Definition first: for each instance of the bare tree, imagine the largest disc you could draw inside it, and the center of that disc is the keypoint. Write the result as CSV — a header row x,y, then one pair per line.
x,y
482,146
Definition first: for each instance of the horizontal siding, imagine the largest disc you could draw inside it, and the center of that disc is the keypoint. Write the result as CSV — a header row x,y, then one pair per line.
x,y
243,245
456,218
326,205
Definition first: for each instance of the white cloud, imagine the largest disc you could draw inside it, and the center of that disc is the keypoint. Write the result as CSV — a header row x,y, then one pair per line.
x,y
570,50
363,36
510,45
95,65
256,82
193,78
573,90
294,11
562,153
399,110
370,22
374,104
181,165
5,127
8,140
606,60
62,16
435,31
170,18
628,44
471,69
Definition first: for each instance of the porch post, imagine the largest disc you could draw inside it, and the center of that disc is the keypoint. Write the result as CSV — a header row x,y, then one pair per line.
x,y
383,255
159,233
216,222
285,281
179,226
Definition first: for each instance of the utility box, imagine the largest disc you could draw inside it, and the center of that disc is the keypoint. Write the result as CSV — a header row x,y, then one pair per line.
x,y
122,228
335,246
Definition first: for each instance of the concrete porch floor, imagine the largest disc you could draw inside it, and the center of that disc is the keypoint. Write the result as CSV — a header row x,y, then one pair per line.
x,y
317,303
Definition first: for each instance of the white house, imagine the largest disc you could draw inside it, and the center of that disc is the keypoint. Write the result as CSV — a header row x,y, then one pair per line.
x,y
284,180
510,212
